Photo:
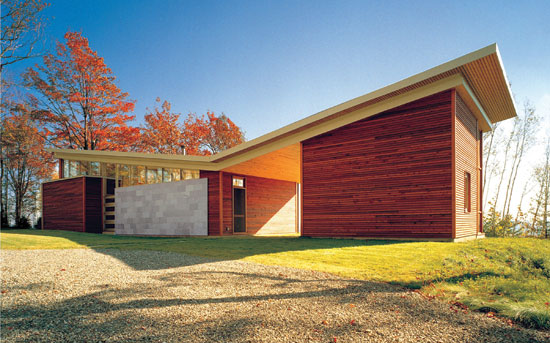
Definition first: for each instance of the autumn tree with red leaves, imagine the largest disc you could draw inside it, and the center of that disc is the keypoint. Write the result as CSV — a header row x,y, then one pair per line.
x,y
198,135
26,163
210,134
78,102
162,133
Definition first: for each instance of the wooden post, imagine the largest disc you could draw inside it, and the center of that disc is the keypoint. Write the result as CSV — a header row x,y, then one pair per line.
x,y
221,202
453,162
61,171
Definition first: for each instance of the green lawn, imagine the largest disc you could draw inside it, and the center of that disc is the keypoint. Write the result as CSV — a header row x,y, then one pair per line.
x,y
507,276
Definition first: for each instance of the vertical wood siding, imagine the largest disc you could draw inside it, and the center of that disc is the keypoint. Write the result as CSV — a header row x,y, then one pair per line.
x,y
213,201
227,203
389,175
468,159
94,204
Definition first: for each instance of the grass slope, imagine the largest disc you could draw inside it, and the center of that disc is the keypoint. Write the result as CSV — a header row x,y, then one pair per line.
x,y
507,276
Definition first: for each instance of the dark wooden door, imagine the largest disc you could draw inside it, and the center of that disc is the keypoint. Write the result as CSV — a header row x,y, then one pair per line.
x,y
239,210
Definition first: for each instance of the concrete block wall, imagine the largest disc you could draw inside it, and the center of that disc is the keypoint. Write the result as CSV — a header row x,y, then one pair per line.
x,y
163,209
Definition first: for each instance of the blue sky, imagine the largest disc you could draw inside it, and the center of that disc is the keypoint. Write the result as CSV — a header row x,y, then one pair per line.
x,y
269,63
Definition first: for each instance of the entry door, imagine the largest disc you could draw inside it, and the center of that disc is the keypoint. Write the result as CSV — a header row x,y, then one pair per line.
x,y
239,205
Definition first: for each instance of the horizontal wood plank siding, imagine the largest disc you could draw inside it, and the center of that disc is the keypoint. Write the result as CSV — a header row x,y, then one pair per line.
x,y
270,205
213,201
467,141
63,205
73,205
94,204
385,176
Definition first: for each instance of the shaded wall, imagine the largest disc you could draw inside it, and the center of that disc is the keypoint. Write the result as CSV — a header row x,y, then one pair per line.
x,y
163,209
389,175
270,204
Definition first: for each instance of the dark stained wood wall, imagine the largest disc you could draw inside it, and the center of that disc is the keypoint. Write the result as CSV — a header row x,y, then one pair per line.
x,y
271,204
389,175
214,206
73,204
468,159
94,205
62,205
227,203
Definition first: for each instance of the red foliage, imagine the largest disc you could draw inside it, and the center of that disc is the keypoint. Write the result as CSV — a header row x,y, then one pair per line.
x,y
78,102
25,162
162,133
206,135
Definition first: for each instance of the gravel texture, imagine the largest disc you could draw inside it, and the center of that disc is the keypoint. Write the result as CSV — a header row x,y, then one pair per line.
x,y
86,295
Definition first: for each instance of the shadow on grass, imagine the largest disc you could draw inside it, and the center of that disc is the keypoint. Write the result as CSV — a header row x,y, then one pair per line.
x,y
457,279
213,248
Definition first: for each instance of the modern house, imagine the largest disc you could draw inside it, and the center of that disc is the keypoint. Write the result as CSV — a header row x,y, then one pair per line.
x,y
402,162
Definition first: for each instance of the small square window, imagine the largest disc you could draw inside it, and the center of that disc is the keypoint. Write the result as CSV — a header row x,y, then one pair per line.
x,y
238,182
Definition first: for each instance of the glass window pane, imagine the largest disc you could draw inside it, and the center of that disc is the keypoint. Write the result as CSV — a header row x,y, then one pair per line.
x,y
110,170
238,182
176,174
190,174
154,175
66,165
166,175
73,168
124,175
84,167
138,175
94,169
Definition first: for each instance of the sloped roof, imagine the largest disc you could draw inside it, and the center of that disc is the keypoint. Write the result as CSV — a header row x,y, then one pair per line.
x,y
479,74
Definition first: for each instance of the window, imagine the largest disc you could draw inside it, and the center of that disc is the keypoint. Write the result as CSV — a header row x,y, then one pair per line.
x,y
238,182
84,168
95,169
66,168
109,170
124,175
137,175
74,167
154,175
189,174
467,193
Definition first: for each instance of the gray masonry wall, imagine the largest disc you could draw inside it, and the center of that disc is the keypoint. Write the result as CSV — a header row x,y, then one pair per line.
x,y
163,209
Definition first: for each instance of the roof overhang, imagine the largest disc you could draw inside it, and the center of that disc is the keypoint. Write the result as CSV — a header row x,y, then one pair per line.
x,y
478,77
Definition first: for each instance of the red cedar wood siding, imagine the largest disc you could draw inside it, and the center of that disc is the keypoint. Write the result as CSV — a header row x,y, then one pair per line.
x,y
73,205
266,199
213,201
389,175
270,206
62,205
468,159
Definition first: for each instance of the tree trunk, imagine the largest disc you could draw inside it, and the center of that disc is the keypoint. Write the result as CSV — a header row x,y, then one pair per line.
x,y
502,172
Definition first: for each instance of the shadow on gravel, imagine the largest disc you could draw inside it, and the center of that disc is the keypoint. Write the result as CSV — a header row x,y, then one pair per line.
x,y
139,313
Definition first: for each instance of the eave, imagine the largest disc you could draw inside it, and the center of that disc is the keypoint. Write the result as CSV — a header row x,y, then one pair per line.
x,y
478,77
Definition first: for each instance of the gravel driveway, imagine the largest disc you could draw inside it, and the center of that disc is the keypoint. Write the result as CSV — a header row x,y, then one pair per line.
x,y
86,295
